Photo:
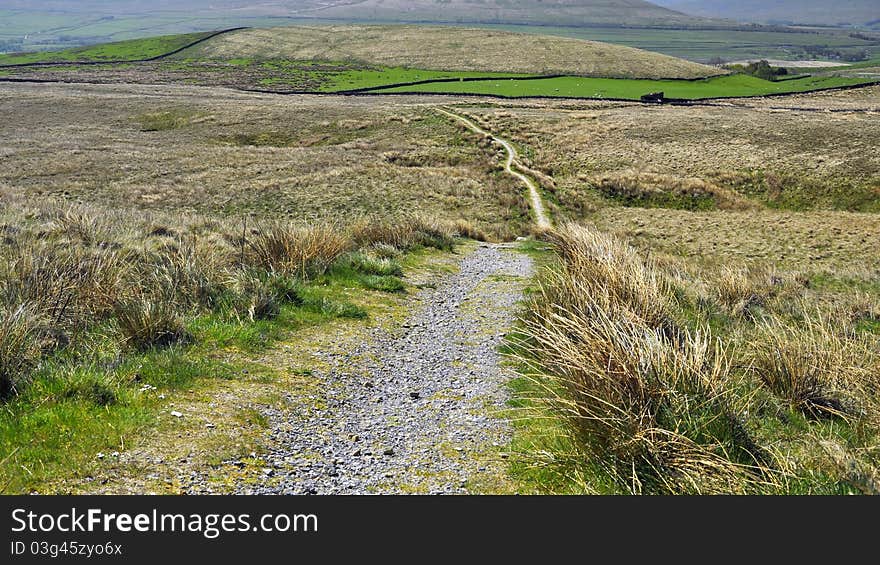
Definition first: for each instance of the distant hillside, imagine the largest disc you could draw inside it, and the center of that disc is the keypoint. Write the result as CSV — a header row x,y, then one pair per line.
x,y
448,48
40,25
815,12
555,12
565,12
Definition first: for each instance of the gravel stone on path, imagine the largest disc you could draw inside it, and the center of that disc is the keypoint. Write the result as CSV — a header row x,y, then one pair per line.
x,y
410,409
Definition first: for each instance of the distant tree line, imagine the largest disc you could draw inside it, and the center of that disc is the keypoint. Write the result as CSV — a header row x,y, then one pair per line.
x,y
851,56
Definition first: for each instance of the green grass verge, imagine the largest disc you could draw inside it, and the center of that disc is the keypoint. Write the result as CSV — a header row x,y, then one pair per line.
x,y
133,49
629,89
100,398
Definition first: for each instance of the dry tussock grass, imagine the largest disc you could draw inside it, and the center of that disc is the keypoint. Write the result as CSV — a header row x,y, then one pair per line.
x,y
620,346
273,157
293,250
819,367
67,270
402,233
652,402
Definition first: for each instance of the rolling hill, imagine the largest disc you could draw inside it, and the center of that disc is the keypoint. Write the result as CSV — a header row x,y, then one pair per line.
x,y
533,12
539,12
815,12
40,25
447,48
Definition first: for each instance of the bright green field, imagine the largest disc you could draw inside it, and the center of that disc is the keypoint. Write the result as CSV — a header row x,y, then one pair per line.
x,y
580,87
378,77
117,51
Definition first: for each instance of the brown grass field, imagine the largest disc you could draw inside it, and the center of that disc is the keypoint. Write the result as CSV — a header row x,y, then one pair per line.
x,y
729,269
800,153
222,152
451,49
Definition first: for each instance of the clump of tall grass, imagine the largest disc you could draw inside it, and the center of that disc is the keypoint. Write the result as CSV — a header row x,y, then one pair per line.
x,y
819,368
80,225
260,295
601,272
741,292
293,250
403,233
464,228
653,405
69,285
19,347
147,321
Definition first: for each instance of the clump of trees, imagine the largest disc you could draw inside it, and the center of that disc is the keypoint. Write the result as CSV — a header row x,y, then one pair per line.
x,y
761,69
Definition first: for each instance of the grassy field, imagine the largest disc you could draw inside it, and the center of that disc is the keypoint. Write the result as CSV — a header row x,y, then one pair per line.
x,y
118,51
250,154
377,78
341,58
446,48
581,87
313,76
755,152
38,31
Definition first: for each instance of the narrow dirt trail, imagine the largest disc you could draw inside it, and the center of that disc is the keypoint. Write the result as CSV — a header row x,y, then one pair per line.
x,y
541,218
410,408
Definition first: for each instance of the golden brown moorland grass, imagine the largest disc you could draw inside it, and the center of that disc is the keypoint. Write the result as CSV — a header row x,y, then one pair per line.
x,y
226,153
789,159
713,334
448,48
666,389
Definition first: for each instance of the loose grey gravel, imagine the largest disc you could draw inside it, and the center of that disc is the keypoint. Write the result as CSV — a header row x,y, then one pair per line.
x,y
411,409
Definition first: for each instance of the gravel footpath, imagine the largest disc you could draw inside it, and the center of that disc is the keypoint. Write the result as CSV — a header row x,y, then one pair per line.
x,y
409,410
